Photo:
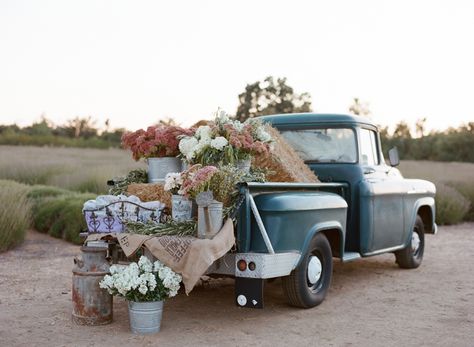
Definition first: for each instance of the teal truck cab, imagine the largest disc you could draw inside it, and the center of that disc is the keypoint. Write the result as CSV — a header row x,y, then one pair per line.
x,y
362,207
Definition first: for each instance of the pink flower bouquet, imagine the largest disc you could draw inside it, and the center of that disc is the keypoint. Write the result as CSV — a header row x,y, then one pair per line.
x,y
197,179
155,142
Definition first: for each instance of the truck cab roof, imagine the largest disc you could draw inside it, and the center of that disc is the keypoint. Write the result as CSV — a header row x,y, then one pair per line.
x,y
308,119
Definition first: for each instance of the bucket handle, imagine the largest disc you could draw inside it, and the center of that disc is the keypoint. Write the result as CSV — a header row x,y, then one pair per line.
x,y
207,219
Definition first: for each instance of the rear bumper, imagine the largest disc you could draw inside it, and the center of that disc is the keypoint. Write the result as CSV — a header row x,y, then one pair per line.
x,y
264,265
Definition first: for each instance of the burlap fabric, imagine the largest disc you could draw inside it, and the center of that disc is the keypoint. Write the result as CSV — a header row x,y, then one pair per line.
x,y
188,256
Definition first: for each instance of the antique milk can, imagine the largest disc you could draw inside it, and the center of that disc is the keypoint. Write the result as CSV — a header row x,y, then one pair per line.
x,y
91,305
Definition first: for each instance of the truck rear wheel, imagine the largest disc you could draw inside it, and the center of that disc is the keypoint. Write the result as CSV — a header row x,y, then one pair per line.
x,y
307,285
411,256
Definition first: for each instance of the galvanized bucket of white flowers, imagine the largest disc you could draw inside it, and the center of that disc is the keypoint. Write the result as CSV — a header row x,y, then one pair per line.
x,y
145,285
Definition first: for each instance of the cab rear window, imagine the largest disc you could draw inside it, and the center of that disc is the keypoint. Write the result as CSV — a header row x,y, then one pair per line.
x,y
329,145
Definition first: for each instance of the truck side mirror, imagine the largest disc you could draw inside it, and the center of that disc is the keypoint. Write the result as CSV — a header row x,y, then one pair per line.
x,y
393,157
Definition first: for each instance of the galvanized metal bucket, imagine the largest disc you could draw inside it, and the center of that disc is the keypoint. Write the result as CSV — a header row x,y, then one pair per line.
x,y
210,220
91,305
159,167
244,165
184,166
145,317
181,208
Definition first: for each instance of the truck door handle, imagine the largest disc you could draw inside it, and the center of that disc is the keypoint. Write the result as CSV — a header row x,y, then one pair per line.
x,y
368,171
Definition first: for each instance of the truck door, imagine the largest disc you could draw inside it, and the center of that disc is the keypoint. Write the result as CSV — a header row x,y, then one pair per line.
x,y
381,198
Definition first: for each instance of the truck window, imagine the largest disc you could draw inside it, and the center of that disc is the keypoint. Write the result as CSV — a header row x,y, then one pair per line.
x,y
331,145
368,148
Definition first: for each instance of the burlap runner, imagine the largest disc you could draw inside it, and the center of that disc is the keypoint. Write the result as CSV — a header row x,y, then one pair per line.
x,y
188,256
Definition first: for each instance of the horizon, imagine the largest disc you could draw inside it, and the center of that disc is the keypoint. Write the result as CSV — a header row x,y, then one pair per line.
x,y
137,64
103,128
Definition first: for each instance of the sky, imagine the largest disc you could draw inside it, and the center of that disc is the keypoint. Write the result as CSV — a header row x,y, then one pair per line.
x,y
135,62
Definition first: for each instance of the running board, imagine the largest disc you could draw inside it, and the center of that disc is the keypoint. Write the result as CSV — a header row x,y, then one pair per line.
x,y
350,256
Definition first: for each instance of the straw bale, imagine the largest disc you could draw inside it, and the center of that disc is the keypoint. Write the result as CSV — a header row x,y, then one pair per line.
x,y
150,192
283,164
202,122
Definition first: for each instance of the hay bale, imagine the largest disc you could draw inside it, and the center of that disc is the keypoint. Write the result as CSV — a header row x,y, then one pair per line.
x,y
202,122
283,164
150,192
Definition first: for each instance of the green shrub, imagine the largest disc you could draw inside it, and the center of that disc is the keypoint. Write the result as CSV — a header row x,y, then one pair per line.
x,y
74,222
91,185
15,214
40,191
451,206
467,190
47,211
62,217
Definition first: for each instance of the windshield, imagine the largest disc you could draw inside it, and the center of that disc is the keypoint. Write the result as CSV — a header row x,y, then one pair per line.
x,y
332,145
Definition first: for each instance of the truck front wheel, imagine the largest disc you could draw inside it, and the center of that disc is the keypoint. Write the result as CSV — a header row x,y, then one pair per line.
x,y
411,256
307,285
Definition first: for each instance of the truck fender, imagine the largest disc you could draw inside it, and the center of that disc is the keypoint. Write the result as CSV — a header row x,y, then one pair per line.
x,y
337,243
425,207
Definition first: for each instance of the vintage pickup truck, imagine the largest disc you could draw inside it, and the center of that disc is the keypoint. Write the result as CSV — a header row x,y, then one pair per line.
x,y
362,208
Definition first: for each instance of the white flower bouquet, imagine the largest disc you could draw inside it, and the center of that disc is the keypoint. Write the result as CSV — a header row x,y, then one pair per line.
x,y
173,182
225,142
143,281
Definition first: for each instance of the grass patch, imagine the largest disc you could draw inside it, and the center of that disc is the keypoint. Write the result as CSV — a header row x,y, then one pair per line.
x,y
434,171
14,214
51,210
58,180
77,169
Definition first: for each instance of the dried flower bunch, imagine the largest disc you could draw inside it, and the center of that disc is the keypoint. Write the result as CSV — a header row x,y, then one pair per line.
x,y
155,142
225,142
197,179
143,281
222,181
120,184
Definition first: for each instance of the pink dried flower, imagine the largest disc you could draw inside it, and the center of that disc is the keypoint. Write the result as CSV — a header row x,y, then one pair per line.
x,y
161,141
197,179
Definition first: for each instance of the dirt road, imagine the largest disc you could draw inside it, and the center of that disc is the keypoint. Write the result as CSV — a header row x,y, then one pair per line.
x,y
371,303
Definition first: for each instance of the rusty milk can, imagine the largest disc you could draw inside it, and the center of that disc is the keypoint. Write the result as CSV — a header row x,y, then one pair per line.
x,y
91,305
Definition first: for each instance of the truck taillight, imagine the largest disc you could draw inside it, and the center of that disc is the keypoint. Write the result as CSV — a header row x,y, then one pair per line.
x,y
242,265
252,266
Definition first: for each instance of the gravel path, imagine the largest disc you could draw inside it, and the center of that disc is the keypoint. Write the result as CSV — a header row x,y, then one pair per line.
x,y
371,303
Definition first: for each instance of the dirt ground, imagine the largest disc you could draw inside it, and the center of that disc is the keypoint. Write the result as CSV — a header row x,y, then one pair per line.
x,y
371,303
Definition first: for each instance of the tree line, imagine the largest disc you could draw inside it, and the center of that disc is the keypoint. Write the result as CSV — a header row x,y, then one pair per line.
x,y
453,144
270,96
77,132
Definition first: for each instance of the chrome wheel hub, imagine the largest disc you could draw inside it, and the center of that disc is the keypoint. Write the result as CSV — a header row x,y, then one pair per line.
x,y
415,242
315,269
